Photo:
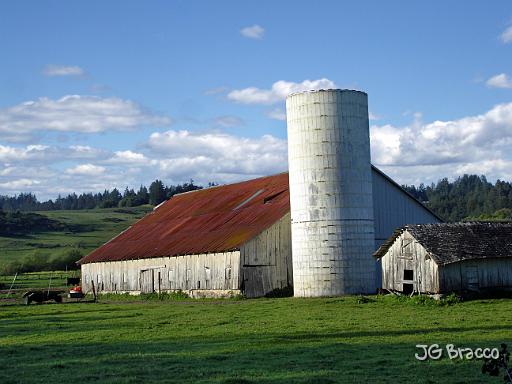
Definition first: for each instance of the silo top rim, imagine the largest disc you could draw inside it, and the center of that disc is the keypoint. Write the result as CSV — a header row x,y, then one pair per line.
x,y
326,90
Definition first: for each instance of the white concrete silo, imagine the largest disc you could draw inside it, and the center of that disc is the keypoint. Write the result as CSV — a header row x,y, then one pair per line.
x,y
330,193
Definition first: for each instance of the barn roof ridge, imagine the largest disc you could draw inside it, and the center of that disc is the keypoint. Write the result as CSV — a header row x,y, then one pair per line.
x,y
227,184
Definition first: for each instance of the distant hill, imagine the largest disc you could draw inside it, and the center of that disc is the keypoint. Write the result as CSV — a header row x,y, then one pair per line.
x,y
54,234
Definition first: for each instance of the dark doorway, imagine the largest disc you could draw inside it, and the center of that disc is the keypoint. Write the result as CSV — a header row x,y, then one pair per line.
x,y
407,289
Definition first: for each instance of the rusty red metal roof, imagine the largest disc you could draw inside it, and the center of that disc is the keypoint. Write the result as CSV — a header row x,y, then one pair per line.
x,y
208,220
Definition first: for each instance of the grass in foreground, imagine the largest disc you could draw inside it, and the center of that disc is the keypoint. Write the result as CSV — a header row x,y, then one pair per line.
x,y
247,341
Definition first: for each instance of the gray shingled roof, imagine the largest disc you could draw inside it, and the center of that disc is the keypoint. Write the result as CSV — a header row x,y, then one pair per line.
x,y
451,242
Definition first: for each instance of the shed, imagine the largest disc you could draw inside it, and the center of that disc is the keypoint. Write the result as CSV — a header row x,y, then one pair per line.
x,y
447,257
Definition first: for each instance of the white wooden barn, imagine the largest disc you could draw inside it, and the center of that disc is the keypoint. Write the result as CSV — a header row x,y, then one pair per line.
x,y
451,257
225,240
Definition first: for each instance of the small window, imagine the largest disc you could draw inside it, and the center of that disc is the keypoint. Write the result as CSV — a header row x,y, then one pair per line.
x,y
228,273
408,274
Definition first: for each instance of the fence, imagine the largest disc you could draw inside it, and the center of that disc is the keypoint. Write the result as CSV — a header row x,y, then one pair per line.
x,y
34,280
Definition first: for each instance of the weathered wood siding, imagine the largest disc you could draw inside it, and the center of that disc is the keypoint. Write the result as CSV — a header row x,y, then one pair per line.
x,y
407,254
478,274
208,274
266,260
392,209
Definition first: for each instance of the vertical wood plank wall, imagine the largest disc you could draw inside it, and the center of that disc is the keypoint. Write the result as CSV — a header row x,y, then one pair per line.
x,y
215,272
407,253
491,272
266,260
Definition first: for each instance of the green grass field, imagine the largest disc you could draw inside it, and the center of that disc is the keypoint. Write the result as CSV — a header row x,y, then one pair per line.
x,y
332,340
93,228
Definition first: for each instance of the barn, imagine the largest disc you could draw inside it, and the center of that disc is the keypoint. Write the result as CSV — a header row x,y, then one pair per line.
x,y
314,229
448,257
225,240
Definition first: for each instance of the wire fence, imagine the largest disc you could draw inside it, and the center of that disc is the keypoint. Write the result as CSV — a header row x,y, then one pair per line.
x,y
37,280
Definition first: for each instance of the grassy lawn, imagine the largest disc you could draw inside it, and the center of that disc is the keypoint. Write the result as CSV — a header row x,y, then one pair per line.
x,y
246,341
91,228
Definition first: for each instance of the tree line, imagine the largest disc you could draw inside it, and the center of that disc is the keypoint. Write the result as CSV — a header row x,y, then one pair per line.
x,y
467,197
154,195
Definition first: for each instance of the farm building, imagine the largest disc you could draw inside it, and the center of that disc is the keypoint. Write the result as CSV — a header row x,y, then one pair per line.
x,y
314,229
443,258
224,240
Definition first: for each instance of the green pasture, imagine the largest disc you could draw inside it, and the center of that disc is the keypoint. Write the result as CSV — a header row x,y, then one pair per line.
x,y
290,340
88,229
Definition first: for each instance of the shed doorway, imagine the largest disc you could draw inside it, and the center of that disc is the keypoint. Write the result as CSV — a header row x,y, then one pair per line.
x,y
472,277
147,281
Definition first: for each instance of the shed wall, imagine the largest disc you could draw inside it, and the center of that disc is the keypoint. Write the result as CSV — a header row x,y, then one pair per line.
x,y
476,274
217,273
407,254
266,260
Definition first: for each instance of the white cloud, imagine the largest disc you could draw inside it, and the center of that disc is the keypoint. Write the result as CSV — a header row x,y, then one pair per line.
x,y
278,92
129,157
373,116
62,70
474,144
506,36
19,184
253,32
217,156
499,81
277,114
86,170
45,153
86,114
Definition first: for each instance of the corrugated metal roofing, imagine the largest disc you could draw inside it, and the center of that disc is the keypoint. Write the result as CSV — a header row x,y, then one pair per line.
x,y
208,220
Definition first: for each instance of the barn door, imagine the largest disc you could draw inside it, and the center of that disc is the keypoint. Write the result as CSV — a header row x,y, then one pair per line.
x,y
147,281
472,277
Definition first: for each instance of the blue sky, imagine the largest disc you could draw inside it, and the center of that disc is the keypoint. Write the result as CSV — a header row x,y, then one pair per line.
x,y
101,94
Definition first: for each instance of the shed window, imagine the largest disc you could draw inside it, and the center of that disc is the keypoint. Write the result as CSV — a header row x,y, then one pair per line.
x,y
408,274
228,273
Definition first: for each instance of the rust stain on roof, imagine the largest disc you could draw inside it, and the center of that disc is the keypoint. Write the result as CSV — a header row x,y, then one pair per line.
x,y
208,220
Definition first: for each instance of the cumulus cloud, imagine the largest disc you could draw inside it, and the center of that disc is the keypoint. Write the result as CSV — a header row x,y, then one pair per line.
x,y
278,92
74,113
86,170
253,32
506,36
19,184
474,144
499,81
277,114
130,158
46,154
217,156
63,70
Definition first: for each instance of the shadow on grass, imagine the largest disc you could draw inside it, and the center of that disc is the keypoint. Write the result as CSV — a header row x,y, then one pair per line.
x,y
228,360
